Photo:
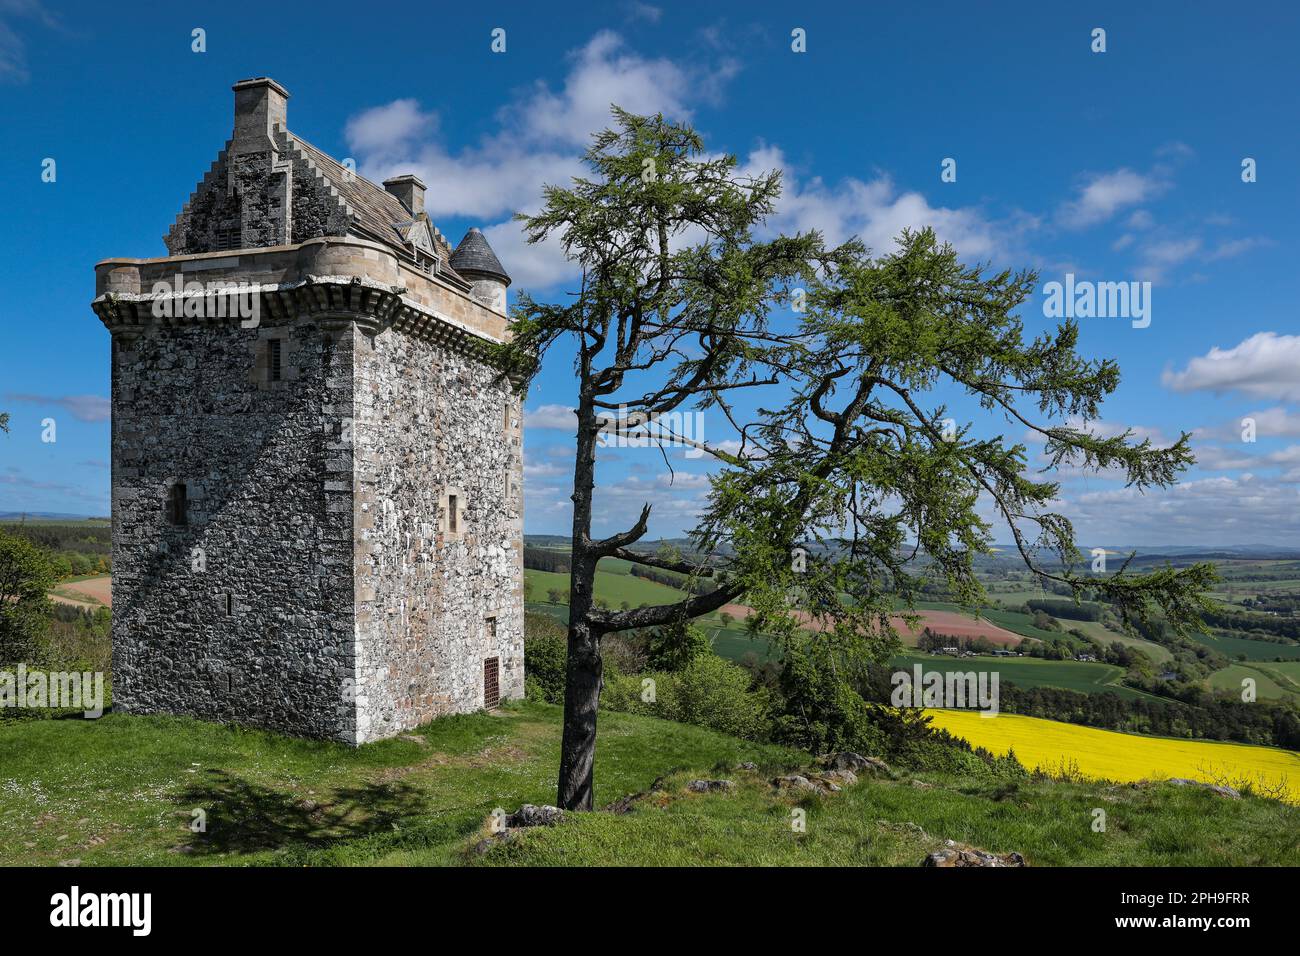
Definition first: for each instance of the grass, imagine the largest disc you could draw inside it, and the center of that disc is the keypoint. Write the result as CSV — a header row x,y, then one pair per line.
x,y
613,586
1273,680
122,790
1253,650
1084,677
898,822
1109,755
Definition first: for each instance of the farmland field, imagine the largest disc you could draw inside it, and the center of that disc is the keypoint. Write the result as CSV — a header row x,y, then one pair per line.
x,y
1254,650
1124,758
1086,678
1273,680
1100,632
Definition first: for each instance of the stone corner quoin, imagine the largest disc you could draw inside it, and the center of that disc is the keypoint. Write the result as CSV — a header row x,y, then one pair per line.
x,y
317,472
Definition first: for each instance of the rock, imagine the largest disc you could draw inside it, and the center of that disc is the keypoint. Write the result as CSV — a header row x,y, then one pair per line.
x,y
798,782
848,760
75,861
845,778
1220,789
960,854
922,785
747,765
710,786
531,816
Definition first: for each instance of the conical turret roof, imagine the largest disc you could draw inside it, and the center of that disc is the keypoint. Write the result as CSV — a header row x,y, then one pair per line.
x,y
475,255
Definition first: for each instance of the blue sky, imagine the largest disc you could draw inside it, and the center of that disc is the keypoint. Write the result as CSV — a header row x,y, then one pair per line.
x,y
1122,166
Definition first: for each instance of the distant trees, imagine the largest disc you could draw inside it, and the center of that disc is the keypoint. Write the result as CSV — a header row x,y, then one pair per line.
x,y
544,559
1085,611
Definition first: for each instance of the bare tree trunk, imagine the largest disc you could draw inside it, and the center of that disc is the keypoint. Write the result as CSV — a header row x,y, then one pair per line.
x,y
583,668
581,700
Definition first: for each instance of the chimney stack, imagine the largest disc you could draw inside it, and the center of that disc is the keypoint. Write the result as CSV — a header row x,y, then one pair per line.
x,y
410,190
260,106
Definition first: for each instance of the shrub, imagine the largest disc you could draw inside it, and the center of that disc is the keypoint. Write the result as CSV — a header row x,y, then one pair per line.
x,y
820,710
710,692
546,649
675,646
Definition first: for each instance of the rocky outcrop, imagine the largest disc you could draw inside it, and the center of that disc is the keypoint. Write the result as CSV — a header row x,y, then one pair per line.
x,y
961,854
710,786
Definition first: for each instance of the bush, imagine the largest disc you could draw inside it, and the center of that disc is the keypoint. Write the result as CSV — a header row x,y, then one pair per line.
x,y
710,692
821,711
546,648
676,646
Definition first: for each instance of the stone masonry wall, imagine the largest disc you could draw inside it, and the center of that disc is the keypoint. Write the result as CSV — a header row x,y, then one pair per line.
x,y
245,613
434,602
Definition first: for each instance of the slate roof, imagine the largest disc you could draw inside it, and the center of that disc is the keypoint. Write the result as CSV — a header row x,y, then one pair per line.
x,y
374,209
475,255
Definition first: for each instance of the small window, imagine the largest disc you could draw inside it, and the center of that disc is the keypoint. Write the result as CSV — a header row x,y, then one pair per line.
x,y
453,523
229,603
178,505
273,366
491,682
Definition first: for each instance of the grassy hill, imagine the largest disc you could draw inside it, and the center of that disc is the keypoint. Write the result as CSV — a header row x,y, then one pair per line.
x,y
124,790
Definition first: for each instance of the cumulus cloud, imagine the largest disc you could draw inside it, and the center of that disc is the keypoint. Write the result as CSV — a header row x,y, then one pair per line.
x,y
1105,194
388,129
1266,365
1275,422
1245,509
551,416
876,211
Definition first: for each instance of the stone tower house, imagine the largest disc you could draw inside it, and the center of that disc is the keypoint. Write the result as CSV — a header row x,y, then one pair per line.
x,y
317,471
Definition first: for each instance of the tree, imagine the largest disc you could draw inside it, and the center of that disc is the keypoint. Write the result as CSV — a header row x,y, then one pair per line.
x,y
846,476
26,576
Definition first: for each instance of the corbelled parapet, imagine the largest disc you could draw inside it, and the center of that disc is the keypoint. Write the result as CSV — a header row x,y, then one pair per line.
x,y
329,279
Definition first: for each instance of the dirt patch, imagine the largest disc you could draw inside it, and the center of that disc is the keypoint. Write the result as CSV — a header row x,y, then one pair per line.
x,y
92,592
949,623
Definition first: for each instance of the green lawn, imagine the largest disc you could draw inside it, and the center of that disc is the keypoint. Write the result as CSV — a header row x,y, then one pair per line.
x,y
123,790
611,585
1085,677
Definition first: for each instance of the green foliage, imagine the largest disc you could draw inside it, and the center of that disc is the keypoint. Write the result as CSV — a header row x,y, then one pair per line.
x,y
821,711
676,646
545,653
26,575
709,692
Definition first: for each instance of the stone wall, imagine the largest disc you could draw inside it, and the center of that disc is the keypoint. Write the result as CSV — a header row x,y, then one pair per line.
x,y
434,599
245,612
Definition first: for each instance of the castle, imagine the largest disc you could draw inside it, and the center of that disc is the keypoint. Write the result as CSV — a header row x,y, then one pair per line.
x,y
316,468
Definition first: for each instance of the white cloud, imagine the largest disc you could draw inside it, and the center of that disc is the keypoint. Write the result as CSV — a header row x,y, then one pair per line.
x,y
1275,422
1266,365
1104,194
551,416
876,211
1222,510
388,129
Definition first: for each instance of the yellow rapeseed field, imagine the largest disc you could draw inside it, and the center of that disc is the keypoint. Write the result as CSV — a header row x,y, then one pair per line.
x,y
1105,754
